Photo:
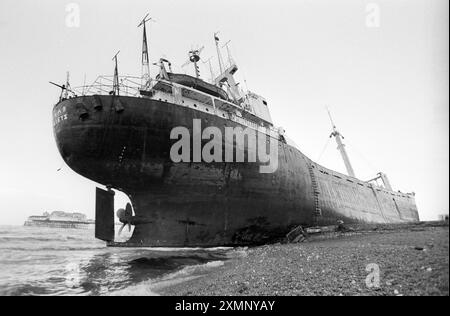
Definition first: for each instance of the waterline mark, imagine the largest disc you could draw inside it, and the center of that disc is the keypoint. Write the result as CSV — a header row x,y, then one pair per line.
x,y
241,145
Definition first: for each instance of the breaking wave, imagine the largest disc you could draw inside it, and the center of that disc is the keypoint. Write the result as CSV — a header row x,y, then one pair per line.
x,y
151,287
45,261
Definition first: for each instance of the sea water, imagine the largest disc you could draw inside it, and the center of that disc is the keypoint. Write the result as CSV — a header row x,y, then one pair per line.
x,y
53,261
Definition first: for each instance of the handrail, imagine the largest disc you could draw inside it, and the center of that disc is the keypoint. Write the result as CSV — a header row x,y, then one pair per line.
x,y
127,86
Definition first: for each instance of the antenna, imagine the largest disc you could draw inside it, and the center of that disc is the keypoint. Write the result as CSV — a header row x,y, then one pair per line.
x,y
66,91
145,60
116,76
341,147
230,59
246,86
210,68
331,119
63,90
219,56
194,57
84,84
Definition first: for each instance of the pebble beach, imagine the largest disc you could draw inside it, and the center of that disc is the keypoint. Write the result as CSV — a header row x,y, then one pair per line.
x,y
411,260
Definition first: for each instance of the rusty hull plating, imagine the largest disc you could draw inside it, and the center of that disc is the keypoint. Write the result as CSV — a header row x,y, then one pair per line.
x,y
124,143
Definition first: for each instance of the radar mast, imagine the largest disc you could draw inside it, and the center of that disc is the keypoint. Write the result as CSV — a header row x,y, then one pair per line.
x,y
194,57
116,75
145,60
219,55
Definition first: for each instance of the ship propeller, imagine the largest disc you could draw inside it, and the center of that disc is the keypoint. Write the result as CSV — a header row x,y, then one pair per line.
x,y
125,216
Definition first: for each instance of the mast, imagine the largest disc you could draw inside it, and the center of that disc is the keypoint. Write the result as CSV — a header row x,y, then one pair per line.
x,y
145,60
219,56
67,86
211,72
230,59
194,57
384,179
341,147
226,76
116,76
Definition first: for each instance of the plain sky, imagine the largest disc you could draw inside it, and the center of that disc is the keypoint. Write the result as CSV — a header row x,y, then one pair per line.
x,y
384,77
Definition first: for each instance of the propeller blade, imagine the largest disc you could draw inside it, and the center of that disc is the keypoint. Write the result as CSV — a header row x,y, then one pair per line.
x,y
121,228
129,209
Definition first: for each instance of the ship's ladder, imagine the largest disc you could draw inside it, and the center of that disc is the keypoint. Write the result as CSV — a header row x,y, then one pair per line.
x,y
316,192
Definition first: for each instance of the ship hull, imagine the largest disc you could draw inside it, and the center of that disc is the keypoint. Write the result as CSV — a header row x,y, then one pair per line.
x,y
124,143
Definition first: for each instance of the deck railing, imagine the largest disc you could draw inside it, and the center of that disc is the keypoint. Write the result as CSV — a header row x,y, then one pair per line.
x,y
131,86
103,85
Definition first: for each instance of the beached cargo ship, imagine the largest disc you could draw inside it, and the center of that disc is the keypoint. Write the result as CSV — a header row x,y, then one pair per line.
x,y
59,219
126,135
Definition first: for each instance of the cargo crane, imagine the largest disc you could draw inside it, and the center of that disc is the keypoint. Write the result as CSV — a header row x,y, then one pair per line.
x,y
341,147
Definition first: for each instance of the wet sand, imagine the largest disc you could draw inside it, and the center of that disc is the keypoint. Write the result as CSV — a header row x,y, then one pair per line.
x,y
412,260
